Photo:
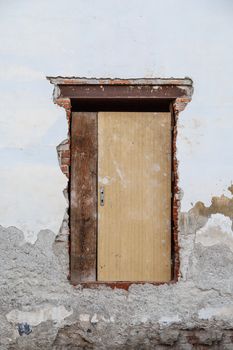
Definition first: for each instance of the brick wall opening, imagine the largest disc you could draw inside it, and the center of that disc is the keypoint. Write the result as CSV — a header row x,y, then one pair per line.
x,y
146,95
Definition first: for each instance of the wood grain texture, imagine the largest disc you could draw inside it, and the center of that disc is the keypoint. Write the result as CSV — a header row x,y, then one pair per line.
x,y
134,168
83,196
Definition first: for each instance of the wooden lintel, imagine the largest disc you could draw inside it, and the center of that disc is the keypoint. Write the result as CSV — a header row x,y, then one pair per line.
x,y
122,91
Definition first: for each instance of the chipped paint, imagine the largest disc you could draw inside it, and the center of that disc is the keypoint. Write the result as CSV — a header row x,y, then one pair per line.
x,y
106,180
156,168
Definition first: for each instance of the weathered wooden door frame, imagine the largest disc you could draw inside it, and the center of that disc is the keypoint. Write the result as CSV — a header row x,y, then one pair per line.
x,y
94,95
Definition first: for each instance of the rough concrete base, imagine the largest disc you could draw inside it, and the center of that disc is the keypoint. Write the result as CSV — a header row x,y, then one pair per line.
x,y
195,313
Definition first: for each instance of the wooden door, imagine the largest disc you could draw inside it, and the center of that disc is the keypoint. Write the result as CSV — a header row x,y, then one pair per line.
x,y
134,211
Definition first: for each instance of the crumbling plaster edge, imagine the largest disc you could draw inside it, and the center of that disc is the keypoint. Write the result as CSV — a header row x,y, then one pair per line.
x,y
74,80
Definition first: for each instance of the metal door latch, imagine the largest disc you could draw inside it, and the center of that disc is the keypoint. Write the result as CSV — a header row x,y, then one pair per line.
x,y
101,196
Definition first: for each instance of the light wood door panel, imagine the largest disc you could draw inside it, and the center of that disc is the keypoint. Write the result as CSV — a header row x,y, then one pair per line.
x,y
134,170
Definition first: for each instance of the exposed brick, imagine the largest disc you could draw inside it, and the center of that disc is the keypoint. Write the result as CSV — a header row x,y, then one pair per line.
x,y
65,161
65,169
66,154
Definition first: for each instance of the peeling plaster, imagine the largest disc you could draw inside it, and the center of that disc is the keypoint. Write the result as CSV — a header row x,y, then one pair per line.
x,y
219,205
165,314
217,230
224,312
39,315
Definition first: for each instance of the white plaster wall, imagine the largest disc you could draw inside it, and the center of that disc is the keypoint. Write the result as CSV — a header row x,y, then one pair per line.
x,y
109,38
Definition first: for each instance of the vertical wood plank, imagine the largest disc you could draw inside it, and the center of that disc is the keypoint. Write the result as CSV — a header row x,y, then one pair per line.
x,y
83,196
134,168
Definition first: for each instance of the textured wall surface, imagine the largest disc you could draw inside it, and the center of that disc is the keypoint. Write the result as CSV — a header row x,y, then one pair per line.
x,y
109,38
196,311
